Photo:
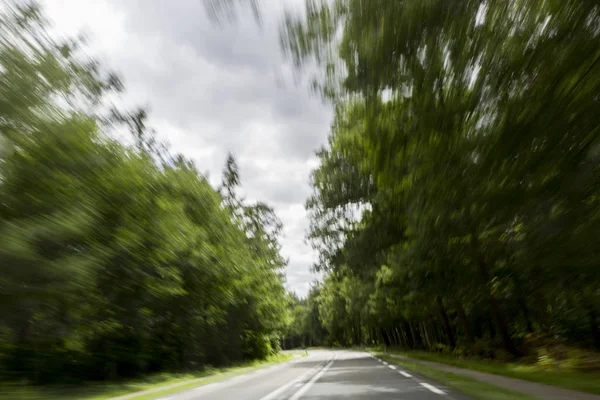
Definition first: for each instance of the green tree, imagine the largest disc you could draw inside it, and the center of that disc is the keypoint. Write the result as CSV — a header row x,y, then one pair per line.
x,y
117,261
460,181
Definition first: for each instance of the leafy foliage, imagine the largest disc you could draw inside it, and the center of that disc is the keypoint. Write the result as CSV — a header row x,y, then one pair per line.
x,y
114,260
456,204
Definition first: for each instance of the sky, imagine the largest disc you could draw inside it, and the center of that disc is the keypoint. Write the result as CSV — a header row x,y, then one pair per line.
x,y
214,89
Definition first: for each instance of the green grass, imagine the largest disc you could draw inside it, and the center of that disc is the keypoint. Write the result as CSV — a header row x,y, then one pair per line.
x,y
107,390
583,381
475,389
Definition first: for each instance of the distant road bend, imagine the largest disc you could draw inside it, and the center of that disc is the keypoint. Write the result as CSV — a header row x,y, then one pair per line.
x,y
324,375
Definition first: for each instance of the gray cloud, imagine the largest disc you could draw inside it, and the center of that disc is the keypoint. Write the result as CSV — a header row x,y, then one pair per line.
x,y
195,73
216,89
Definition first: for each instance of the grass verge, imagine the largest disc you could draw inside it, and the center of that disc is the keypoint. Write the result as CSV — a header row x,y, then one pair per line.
x,y
470,387
583,381
172,382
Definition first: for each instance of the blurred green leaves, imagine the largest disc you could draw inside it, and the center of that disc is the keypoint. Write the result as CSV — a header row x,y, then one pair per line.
x,y
116,261
460,181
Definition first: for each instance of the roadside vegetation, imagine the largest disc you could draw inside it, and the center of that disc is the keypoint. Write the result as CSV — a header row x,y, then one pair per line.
x,y
455,209
565,375
117,261
471,387
160,384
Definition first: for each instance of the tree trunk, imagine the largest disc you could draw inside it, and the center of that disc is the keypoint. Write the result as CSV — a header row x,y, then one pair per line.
x,y
539,299
396,338
434,330
405,336
497,314
360,334
446,322
426,334
521,301
417,337
491,324
385,337
525,312
375,339
186,355
464,321
390,341
410,337
400,337
540,307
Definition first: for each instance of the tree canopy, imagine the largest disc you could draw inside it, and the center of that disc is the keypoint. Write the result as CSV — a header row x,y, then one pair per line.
x,y
117,260
456,202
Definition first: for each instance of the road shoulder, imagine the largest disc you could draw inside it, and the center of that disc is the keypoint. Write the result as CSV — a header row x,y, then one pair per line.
x,y
537,390
460,384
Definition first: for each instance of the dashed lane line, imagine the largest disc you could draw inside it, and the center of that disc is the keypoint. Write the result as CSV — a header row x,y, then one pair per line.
x,y
407,375
432,388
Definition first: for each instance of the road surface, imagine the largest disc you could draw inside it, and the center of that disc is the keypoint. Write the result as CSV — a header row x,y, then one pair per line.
x,y
324,375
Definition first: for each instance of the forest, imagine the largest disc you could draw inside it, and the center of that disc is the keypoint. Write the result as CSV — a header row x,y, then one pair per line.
x,y
456,206
117,260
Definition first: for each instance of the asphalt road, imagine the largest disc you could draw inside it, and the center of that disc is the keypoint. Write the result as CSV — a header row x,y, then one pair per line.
x,y
324,375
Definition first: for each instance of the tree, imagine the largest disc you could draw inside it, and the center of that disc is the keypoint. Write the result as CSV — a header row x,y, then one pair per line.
x,y
460,181
117,261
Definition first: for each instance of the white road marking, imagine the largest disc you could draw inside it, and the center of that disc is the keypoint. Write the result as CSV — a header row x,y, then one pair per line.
x,y
391,367
385,363
432,388
275,393
308,385
165,398
405,374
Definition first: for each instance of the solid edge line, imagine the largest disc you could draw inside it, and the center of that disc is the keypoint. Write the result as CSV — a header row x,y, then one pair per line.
x,y
432,388
308,385
425,385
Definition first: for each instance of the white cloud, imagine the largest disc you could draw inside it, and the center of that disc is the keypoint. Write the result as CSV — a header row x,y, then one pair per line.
x,y
211,90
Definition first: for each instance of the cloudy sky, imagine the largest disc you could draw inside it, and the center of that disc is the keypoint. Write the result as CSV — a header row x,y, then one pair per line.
x,y
214,89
